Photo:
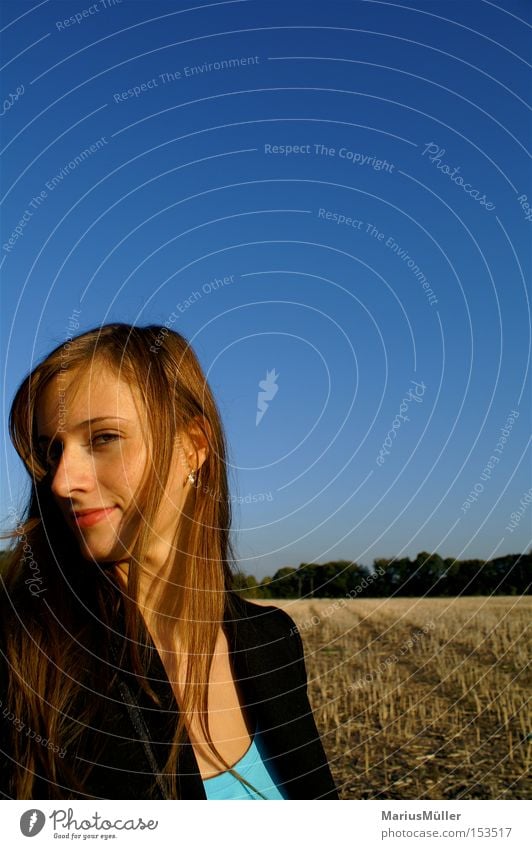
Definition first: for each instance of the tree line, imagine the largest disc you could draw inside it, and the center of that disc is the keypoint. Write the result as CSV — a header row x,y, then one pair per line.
x,y
427,575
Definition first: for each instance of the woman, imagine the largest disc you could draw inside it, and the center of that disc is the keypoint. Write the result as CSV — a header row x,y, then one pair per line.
x,y
130,669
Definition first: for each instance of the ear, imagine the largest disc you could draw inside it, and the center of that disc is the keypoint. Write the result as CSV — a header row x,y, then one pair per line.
x,y
196,439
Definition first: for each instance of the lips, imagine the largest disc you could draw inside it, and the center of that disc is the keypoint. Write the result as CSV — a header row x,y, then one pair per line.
x,y
87,518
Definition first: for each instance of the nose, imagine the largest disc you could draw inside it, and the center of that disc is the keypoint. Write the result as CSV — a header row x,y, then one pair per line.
x,y
72,473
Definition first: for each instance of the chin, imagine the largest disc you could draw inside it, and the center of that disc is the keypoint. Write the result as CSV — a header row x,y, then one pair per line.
x,y
97,555
102,551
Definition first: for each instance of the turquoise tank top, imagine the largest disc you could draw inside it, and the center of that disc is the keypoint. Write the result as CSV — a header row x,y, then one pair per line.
x,y
255,768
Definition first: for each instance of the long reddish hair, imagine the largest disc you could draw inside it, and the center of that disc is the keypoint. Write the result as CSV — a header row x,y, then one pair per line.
x,y
59,609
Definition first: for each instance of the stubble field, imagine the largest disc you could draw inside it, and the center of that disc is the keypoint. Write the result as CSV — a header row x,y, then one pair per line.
x,y
421,698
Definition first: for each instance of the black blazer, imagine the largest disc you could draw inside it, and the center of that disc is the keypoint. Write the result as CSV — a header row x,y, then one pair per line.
x,y
268,664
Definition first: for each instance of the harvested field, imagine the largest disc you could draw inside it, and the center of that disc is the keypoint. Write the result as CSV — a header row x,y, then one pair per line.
x,y
421,698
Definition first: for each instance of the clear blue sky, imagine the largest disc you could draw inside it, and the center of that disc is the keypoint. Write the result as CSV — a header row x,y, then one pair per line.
x,y
156,138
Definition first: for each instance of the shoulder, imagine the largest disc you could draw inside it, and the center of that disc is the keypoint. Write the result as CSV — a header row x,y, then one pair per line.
x,y
267,618
263,631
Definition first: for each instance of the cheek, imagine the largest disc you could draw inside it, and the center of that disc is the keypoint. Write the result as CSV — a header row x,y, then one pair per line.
x,y
130,477
172,503
127,472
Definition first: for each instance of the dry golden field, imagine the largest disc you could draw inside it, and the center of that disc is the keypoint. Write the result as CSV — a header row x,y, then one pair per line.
x,y
421,698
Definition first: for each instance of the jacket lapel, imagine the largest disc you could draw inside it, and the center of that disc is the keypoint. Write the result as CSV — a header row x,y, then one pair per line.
x,y
269,669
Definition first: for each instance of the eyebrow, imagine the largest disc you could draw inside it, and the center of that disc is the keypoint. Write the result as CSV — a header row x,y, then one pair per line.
x,y
43,438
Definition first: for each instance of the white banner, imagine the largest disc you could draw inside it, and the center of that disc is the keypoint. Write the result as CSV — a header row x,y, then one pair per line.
x,y
232,825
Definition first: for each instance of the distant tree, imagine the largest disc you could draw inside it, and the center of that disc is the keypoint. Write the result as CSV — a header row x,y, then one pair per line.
x,y
327,580
462,577
512,574
285,583
427,575
246,585
381,578
264,589
398,578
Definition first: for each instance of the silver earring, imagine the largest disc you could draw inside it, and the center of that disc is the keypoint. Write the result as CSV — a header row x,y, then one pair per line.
x,y
192,477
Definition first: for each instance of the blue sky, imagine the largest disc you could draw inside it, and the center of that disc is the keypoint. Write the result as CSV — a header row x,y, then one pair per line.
x,y
332,193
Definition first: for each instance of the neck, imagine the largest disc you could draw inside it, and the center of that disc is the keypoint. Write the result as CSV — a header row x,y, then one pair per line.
x,y
158,597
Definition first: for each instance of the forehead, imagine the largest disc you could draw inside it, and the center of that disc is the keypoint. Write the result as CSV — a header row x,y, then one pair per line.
x,y
75,396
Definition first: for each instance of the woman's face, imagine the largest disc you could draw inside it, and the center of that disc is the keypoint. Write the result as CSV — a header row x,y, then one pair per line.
x,y
92,425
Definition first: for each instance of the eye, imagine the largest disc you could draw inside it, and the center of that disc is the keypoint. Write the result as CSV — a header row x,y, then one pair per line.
x,y
103,438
